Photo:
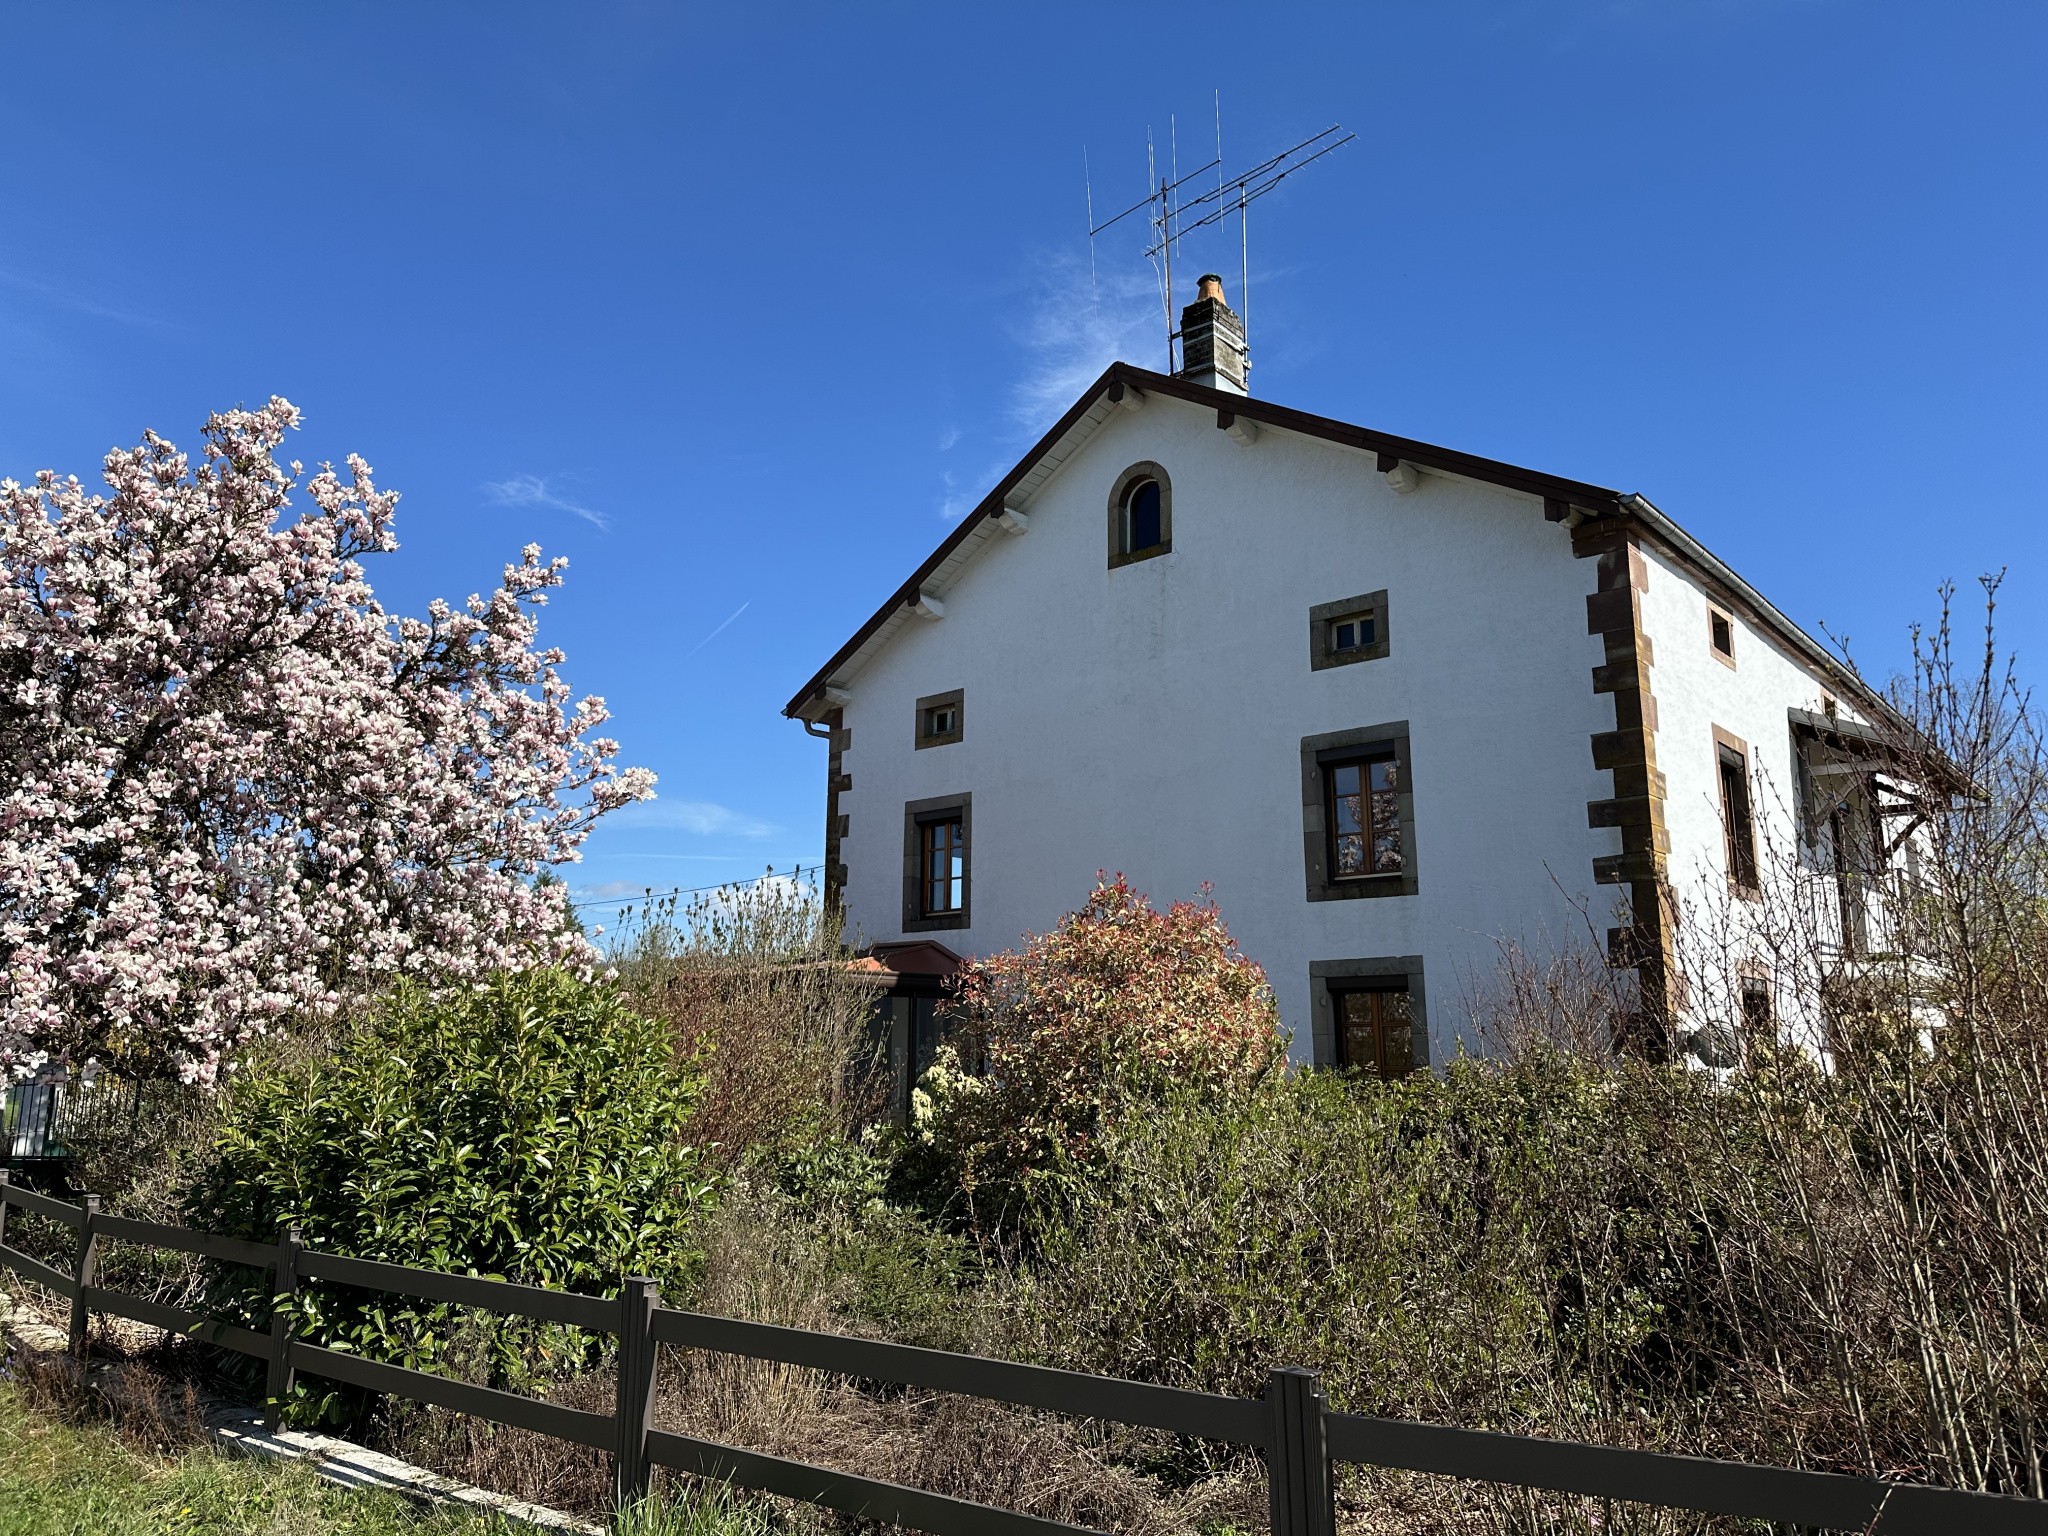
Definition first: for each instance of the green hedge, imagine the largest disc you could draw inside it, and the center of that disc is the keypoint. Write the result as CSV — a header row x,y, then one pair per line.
x,y
532,1129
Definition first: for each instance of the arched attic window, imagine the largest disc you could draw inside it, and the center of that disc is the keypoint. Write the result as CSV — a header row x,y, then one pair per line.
x,y
1140,515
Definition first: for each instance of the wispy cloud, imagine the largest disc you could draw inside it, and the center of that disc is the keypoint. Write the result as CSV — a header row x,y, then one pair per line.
x,y
961,494
693,650
1076,327
534,491
703,817
84,304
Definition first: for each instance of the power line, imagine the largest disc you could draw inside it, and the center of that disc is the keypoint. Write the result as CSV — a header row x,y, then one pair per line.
x,y
796,873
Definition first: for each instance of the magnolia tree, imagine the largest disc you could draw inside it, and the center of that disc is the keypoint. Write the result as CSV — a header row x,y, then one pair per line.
x,y
235,786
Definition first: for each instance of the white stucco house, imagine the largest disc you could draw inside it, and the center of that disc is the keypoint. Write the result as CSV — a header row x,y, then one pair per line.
x,y
1396,703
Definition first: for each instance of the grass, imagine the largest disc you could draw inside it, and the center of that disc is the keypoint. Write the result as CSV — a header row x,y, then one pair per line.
x,y
65,1479
57,1479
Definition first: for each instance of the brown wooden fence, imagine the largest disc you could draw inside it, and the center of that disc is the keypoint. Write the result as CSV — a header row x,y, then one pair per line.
x,y
1290,1425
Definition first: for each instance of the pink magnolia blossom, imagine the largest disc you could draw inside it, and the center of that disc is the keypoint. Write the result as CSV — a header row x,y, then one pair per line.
x,y
236,787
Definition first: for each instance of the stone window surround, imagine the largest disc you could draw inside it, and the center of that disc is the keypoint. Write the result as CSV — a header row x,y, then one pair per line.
x,y
932,701
916,814
1335,745
1327,977
1727,657
1144,469
1322,615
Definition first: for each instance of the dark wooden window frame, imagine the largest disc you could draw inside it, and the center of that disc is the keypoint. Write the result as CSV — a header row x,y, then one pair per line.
x,y
1318,753
1143,470
917,815
1738,819
1371,824
1328,978
956,701
1323,615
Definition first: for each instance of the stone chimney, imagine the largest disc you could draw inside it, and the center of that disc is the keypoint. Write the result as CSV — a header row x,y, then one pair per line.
x,y
1212,349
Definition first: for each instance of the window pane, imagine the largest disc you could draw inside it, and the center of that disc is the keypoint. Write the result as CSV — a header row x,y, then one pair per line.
x,y
1375,1032
1386,847
1347,637
1741,835
945,867
1386,818
1397,1041
1356,1046
1141,516
1365,831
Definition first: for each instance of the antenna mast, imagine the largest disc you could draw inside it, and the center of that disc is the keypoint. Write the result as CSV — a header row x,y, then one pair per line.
x,y
1166,211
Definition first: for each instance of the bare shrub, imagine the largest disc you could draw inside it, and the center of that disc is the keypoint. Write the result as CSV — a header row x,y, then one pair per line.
x,y
1901,1121
763,1266
152,1409
518,1462
768,1261
754,975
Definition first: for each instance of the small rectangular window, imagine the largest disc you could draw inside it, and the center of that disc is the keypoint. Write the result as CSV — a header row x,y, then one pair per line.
x,y
1364,818
1374,1028
1351,629
945,867
1721,635
1352,634
1738,825
940,717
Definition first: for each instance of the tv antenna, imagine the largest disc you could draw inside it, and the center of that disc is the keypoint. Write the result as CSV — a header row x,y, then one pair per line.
x,y
1173,214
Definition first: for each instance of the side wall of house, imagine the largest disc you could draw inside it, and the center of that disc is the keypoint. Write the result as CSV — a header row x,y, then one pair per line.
x,y
1705,703
1150,718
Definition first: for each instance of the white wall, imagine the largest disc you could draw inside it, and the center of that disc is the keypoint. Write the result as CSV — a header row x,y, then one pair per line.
x,y
1149,719
1696,692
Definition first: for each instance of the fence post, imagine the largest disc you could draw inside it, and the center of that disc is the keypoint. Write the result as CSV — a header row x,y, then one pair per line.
x,y
1298,1454
631,1470
284,1295
85,1270
4,1182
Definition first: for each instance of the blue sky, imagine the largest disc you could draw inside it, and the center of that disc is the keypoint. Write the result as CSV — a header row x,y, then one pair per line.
x,y
738,307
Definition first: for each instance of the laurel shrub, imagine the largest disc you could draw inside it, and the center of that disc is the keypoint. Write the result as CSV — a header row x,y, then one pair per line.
x,y
533,1129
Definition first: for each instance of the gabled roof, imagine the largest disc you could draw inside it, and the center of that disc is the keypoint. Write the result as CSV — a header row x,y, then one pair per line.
x,y
1562,498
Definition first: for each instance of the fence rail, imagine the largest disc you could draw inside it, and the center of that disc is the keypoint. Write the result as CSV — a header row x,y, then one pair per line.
x,y
1291,1426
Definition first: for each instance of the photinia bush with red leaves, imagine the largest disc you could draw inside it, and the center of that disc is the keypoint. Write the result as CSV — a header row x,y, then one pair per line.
x,y
1084,1024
